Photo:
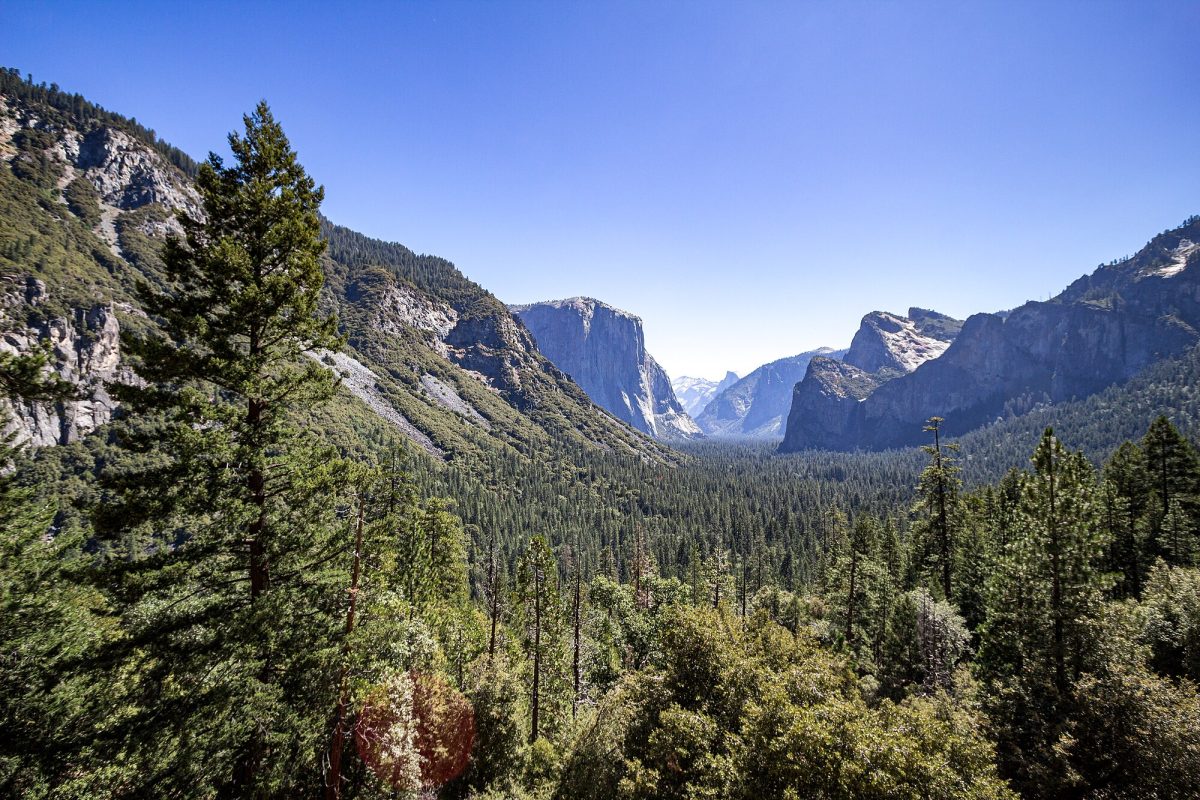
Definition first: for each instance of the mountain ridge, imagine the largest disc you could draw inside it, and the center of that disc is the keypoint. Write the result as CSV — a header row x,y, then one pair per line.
x,y
88,198
757,405
696,393
1103,329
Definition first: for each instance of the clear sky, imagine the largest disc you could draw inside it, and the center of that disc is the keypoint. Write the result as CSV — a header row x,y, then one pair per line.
x,y
750,178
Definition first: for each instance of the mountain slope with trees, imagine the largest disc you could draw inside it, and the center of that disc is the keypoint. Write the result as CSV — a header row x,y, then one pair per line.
x,y
1103,330
455,372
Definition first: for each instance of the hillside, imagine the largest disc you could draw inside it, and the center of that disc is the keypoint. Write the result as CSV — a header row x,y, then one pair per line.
x,y
87,199
1103,330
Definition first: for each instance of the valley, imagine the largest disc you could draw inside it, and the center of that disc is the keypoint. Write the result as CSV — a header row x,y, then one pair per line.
x,y
292,511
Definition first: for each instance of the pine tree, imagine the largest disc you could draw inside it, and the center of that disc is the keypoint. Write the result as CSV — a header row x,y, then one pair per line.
x,y
576,573
938,493
51,617
1126,497
858,585
1042,601
541,624
245,560
973,562
1173,469
492,593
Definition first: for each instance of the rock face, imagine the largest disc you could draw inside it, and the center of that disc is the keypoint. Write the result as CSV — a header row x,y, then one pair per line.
x,y
826,400
431,353
901,344
85,350
696,393
602,348
126,173
1103,329
758,404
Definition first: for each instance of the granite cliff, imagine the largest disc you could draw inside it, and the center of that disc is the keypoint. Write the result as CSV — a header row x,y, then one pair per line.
x,y
1102,330
889,342
603,349
757,405
85,348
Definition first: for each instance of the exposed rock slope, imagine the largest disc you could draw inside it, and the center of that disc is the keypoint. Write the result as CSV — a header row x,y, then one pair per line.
x,y
86,350
890,342
603,349
758,404
1103,329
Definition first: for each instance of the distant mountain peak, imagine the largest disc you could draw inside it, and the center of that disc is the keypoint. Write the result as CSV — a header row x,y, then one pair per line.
x,y
696,393
758,404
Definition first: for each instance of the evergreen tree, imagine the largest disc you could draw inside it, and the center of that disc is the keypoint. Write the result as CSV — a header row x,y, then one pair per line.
x,y
938,500
1173,469
235,605
1042,601
50,617
541,626
1127,499
973,561
858,587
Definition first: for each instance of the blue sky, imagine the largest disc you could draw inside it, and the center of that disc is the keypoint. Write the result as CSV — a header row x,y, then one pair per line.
x,y
750,178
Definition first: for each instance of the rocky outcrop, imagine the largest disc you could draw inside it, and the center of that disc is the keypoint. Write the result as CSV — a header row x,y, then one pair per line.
x,y
696,393
488,342
126,173
1104,329
889,342
758,404
394,307
603,350
482,337
85,349
825,401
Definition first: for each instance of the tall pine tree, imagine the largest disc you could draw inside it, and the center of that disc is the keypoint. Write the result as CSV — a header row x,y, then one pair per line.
x,y
236,604
1042,599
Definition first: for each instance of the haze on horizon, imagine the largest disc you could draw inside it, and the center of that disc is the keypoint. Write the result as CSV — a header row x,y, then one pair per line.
x,y
750,179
